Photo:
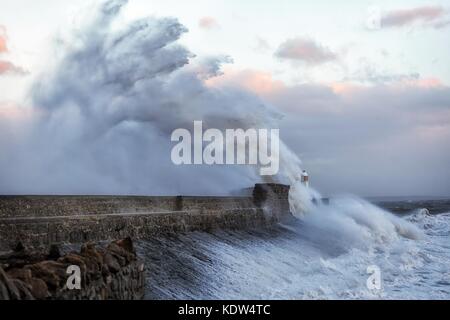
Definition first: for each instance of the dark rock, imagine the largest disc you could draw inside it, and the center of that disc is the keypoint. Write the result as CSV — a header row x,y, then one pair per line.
x,y
19,259
13,292
22,274
111,273
50,272
111,262
39,289
124,256
4,295
54,253
73,259
126,244
19,247
24,289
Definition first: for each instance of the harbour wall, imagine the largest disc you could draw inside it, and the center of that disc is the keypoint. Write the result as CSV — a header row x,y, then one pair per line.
x,y
39,221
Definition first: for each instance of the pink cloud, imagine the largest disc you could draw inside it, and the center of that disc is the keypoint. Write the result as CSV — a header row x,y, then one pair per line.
x,y
258,82
402,17
305,50
12,111
264,84
431,82
7,67
344,88
208,23
3,46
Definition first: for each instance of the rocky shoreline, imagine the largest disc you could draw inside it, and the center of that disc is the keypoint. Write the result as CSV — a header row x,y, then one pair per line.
x,y
110,272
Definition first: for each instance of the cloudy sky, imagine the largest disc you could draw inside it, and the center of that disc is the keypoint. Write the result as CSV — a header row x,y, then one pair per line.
x,y
364,89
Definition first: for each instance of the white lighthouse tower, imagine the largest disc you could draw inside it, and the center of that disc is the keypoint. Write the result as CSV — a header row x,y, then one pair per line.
x,y
305,178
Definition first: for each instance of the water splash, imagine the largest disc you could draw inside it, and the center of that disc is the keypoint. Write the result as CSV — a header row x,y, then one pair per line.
x,y
345,217
292,262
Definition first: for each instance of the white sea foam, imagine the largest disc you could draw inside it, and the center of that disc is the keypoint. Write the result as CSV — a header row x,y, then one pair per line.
x,y
112,95
306,260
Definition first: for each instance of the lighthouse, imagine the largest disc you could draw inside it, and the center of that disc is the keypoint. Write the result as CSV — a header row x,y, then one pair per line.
x,y
305,178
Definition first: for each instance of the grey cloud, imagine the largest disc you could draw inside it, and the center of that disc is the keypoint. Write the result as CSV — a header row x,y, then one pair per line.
x,y
381,140
375,140
305,50
427,15
369,74
211,66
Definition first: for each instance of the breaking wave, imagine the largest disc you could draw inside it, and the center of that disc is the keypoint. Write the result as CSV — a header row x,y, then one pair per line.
x,y
307,259
103,114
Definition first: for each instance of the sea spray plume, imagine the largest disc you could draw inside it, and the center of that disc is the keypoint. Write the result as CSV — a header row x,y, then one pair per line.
x,y
107,108
137,74
346,221
301,198
211,66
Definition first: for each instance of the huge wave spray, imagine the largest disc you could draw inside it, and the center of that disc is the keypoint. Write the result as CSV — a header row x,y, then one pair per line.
x,y
104,111
102,118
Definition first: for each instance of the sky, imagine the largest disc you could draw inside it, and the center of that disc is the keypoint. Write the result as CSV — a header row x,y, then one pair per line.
x,y
363,87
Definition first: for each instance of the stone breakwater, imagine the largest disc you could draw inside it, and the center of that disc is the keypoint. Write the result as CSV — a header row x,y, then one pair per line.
x,y
113,272
40,221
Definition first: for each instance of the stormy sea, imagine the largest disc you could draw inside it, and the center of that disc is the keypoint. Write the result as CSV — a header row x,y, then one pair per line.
x,y
323,255
100,123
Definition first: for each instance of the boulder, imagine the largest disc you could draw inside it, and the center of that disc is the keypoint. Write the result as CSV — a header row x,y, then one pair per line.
x,y
110,273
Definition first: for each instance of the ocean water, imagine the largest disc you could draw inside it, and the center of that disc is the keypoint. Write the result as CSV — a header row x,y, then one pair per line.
x,y
328,253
